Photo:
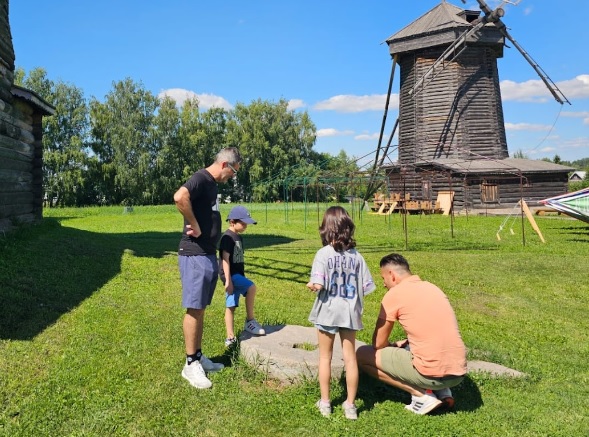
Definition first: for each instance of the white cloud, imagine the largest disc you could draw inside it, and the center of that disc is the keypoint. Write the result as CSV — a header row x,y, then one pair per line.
x,y
536,91
577,88
528,91
363,137
351,103
576,143
330,132
541,152
295,104
527,127
584,115
205,101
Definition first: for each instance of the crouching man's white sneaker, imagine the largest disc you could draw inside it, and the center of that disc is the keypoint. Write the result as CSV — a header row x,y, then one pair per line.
x,y
253,327
424,404
195,375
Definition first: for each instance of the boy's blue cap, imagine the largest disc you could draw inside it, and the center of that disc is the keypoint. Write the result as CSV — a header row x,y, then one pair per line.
x,y
242,214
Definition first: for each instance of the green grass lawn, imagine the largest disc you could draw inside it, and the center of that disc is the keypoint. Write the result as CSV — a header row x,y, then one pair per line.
x,y
91,341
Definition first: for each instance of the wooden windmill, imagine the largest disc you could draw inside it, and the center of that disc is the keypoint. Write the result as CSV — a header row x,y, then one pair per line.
x,y
450,107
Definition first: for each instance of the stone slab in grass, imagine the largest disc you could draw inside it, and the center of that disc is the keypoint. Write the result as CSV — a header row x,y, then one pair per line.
x,y
290,352
493,369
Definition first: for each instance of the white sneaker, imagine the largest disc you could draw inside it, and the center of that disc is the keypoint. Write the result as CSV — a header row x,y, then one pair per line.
x,y
350,411
195,375
445,395
324,408
209,366
253,327
424,404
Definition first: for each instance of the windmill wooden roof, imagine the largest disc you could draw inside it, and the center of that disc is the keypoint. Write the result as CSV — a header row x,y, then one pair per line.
x,y
498,166
441,26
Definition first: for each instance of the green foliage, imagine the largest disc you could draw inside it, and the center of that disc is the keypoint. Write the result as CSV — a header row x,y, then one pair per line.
x,y
520,154
65,158
122,132
91,341
272,140
136,149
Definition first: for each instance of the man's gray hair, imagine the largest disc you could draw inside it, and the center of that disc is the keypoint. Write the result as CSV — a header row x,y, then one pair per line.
x,y
230,155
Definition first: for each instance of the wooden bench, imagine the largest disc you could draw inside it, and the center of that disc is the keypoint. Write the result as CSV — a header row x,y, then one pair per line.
x,y
546,210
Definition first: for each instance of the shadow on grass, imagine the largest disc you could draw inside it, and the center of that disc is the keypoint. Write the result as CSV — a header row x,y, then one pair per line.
x,y
372,392
575,234
47,270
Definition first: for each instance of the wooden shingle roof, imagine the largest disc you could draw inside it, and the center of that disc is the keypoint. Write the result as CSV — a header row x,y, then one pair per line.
x,y
441,17
441,26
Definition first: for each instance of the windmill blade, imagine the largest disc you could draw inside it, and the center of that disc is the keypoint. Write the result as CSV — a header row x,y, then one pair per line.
x,y
386,150
372,186
494,16
386,109
554,90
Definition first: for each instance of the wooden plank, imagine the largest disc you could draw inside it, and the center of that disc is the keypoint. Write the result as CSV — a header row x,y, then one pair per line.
x,y
530,217
446,200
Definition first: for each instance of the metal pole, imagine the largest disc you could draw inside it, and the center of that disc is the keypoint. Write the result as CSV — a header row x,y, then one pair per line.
x,y
521,205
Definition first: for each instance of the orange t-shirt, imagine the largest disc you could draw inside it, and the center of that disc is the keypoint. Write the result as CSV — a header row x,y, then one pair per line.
x,y
424,312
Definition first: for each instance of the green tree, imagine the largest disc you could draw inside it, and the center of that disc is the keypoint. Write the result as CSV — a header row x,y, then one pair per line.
x,y
124,143
65,136
520,154
170,161
272,141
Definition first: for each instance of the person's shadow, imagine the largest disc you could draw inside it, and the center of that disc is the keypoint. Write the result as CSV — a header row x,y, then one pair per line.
x,y
372,392
48,269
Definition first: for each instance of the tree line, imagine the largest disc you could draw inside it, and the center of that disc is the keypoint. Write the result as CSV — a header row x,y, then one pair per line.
x,y
134,148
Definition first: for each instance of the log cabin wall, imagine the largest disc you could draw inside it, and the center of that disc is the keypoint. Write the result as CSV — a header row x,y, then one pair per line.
x,y
479,191
21,140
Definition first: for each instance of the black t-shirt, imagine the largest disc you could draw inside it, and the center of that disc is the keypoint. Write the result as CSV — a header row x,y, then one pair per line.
x,y
203,190
232,243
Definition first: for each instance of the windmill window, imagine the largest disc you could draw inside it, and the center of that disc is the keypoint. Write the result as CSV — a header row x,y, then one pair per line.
x,y
489,193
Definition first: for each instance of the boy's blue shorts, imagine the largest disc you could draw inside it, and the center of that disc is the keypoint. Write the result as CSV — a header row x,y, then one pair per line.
x,y
241,285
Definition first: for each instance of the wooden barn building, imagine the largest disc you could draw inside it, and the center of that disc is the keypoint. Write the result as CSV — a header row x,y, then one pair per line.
x,y
21,140
451,126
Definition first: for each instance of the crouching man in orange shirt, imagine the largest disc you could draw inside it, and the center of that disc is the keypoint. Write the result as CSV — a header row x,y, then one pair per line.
x,y
433,357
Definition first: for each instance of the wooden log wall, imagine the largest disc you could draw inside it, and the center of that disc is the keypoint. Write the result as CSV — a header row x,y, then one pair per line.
x,y
6,54
457,114
21,177
467,188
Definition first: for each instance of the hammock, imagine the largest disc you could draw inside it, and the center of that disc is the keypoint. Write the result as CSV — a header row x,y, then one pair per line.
x,y
575,204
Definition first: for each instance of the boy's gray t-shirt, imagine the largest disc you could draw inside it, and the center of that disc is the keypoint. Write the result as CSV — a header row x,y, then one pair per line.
x,y
346,280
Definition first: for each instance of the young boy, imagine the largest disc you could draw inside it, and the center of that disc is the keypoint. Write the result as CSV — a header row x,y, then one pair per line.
x,y
232,273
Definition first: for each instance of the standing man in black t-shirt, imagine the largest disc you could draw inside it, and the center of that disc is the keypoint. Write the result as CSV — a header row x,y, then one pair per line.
x,y
197,202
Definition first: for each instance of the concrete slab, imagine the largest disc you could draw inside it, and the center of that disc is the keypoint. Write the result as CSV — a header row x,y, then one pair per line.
x,y
290,353
493,369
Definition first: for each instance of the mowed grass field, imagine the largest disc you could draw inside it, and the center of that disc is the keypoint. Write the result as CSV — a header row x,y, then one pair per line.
x,y
91,341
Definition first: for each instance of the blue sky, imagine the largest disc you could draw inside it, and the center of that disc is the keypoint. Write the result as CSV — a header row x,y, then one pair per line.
x,y
323,56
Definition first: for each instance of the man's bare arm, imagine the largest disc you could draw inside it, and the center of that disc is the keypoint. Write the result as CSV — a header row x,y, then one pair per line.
x,y
182,200
382,331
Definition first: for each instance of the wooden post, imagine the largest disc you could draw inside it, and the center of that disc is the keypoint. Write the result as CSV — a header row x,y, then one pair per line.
x,y
530,217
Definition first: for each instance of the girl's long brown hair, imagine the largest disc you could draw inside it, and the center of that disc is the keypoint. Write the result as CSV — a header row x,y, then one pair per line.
x,y
337,229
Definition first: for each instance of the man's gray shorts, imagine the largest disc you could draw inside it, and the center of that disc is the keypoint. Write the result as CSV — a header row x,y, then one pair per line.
x,y
199,276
